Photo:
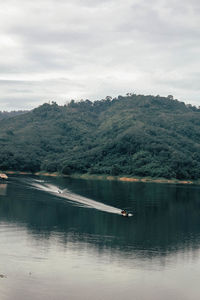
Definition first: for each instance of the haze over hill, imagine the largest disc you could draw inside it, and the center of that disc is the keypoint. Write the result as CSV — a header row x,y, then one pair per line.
x,y
134,135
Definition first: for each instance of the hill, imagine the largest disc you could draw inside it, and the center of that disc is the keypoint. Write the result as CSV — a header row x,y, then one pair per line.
x,y
133,135
6,114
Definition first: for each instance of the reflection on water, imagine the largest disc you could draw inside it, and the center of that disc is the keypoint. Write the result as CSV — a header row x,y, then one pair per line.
x,y
3,189
166,218
52,247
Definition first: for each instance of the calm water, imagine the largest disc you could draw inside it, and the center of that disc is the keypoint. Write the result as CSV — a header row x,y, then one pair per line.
x,y
69,246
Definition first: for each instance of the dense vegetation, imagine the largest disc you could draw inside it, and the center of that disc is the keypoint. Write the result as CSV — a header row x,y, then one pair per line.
x,y
9,114
133,135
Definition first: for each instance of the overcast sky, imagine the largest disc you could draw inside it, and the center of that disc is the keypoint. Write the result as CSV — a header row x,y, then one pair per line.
x,y
63,49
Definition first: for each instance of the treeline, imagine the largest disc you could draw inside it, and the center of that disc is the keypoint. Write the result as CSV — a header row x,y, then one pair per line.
x,y
132,135
9,114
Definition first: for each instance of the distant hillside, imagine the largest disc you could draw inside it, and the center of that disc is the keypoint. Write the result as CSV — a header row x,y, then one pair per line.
x,y
9,114
133,135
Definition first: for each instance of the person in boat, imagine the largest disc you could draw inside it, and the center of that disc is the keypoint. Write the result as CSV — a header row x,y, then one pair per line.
x,y
124,213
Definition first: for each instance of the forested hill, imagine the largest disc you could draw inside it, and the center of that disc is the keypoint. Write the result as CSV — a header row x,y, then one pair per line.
x,y
10,114
133,135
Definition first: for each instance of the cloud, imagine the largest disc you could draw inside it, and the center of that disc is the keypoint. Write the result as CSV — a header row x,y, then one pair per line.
x,y
94,48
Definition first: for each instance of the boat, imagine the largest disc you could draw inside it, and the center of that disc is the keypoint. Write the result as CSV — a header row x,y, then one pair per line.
x,y
124,213
3,176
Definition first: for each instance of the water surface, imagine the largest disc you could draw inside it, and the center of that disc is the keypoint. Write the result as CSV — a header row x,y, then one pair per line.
x,y
64,238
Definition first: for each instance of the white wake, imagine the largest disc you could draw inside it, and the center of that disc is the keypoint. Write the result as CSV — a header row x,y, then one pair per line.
x,y
50,188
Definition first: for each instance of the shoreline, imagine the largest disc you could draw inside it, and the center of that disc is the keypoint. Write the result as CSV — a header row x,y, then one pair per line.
x,y
109,177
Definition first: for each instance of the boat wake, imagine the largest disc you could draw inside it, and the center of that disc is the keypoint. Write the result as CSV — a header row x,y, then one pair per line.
x,y
75,198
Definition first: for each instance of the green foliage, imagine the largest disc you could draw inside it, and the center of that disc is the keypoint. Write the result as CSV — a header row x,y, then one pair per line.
x,y
134,135
6,114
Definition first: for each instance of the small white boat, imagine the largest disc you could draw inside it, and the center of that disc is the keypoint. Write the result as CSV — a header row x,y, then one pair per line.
x,y
125,214
3,176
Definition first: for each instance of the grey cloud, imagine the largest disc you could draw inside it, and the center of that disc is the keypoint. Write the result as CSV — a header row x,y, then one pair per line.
x,y
93,48
183,82
23,93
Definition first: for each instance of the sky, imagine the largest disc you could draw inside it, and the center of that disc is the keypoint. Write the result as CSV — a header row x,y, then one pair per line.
x,y
57,50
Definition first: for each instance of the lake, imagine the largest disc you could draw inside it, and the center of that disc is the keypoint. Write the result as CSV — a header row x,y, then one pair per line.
x,y
63,238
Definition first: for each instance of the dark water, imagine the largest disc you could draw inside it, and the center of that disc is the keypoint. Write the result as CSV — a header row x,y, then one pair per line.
x,y
68,246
